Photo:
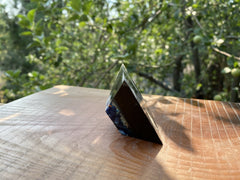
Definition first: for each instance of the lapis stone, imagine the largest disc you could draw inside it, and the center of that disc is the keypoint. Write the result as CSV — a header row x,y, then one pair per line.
x,y
126,112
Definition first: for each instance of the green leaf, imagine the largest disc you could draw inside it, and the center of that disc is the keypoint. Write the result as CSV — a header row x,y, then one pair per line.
x,y
33,44
20,16
35,73
12,74
87,6
198,86
8,74
41,77
195,6
26,33
31,15
48,39
76,4
82,24
23,21
74,17
83,17
236,64
58,42
109,28
159,51
230,61
61,49
39,28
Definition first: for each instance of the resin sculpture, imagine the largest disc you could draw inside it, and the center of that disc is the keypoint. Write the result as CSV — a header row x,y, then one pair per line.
x,y
125,108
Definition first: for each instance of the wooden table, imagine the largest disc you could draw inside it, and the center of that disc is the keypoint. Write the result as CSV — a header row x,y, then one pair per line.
x,y
64,133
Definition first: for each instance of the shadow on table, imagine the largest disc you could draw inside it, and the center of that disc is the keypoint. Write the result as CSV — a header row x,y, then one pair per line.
x,y
227,112
175,131
138,157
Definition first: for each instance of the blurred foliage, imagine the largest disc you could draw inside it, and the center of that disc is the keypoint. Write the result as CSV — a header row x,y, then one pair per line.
x,y
181,47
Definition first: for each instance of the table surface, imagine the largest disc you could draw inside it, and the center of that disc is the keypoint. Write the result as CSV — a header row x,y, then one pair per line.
x,y
64,133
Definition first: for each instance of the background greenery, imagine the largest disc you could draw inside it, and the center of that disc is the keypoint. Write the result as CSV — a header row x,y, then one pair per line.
x,y
181,47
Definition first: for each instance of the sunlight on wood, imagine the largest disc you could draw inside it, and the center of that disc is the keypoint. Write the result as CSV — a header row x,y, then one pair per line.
x,y
67,112
96,140
62,90
9,117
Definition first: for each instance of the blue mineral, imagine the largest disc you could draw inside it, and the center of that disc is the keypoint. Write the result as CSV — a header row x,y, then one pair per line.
x,y
115,115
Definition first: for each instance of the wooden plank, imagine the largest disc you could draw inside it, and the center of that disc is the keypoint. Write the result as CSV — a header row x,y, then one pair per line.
x,y
64,133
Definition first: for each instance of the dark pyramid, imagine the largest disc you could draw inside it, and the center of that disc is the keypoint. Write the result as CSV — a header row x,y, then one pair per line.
x,y
125,110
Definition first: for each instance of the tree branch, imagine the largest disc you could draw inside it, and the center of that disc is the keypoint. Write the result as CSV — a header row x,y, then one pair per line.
x,y
225,53
105,72
198,23
146,21
151,78
233,37
153,66
214,48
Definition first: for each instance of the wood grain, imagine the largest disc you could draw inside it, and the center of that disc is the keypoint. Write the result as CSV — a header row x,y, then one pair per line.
x,y
64,133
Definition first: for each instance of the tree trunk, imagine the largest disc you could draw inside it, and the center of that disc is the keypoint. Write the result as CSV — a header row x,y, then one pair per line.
x,y
235,90
195,54
177,71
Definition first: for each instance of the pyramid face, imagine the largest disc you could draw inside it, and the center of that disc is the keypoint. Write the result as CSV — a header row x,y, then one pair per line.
x,y
124,108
